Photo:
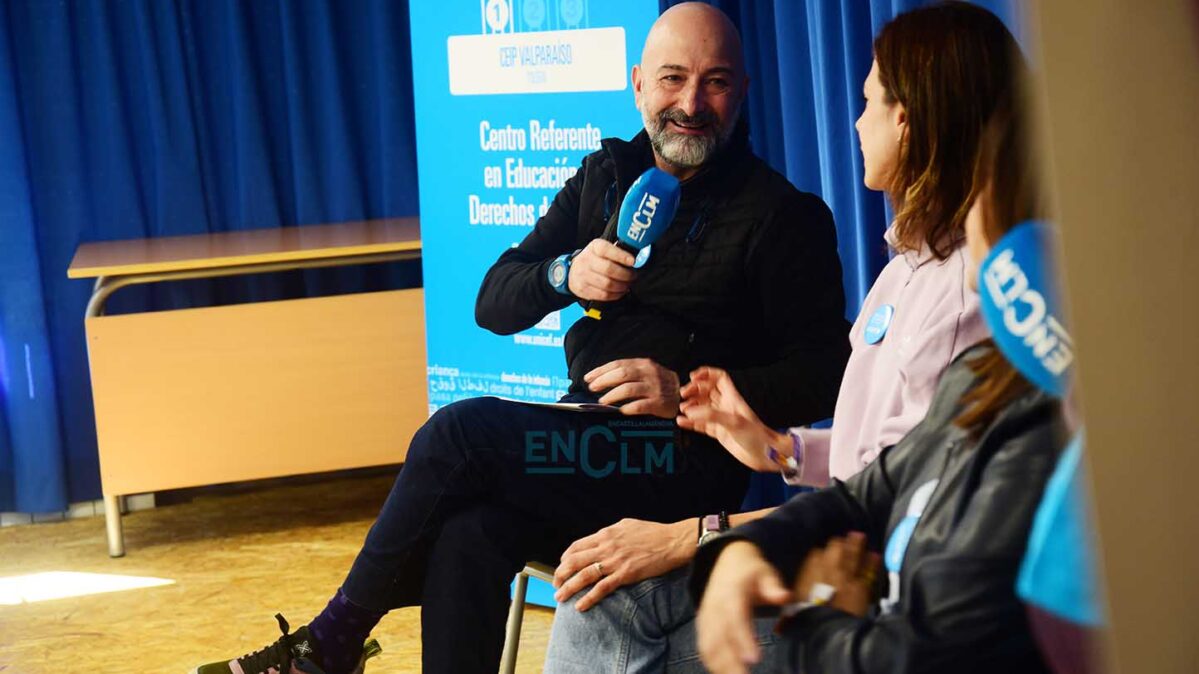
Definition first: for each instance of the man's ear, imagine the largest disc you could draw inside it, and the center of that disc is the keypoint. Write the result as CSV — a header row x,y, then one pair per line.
x,y
636,77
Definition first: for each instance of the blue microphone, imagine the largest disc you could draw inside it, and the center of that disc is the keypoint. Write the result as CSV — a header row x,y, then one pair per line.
x,y
647,210
1022,305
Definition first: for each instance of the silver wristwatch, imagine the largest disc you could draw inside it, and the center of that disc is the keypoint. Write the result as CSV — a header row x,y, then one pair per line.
x,y
712,526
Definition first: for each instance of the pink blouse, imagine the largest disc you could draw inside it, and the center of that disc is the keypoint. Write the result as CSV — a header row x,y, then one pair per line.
x,y
888,386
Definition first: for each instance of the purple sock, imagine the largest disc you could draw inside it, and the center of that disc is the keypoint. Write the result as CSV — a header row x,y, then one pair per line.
x,y
339,632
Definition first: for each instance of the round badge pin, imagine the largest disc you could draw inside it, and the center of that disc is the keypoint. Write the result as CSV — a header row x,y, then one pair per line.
x,y
642,257
880,320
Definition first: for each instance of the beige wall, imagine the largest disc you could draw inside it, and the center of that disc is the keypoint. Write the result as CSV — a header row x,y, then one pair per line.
x,y
1121,80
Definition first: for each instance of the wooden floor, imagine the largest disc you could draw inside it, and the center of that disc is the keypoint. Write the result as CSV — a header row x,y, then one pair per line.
x,y
236,559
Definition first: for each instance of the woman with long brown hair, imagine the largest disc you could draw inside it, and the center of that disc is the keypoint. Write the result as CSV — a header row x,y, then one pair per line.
x,y
948,508
938,74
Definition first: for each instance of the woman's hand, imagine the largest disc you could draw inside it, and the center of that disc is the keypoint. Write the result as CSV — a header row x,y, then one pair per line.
x,y
740,580
622,554
848,567
712,405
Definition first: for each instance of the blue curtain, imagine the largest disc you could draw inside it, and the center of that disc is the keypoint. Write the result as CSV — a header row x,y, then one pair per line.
x,y
145,118
161,117
807,60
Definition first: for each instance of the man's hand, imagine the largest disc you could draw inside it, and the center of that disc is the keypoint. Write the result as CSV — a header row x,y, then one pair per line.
x,y
740,580
601,272
846,565
629,551
644,386
712,405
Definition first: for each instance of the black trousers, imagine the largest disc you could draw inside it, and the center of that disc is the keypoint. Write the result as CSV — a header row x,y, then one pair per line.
x,y
489,484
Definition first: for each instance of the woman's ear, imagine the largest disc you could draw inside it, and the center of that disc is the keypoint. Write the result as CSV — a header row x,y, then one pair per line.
x,y
901,122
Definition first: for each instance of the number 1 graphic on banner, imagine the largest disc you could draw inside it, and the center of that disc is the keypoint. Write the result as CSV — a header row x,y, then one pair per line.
x,y
497,15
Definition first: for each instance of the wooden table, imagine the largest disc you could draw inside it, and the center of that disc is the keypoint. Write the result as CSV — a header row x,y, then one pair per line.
x,y
222,394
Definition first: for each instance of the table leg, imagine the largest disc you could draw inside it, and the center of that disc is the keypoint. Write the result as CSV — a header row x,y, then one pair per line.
x,y
114,505
112,521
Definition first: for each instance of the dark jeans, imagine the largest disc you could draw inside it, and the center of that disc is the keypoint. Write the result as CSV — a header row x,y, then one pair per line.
x,y
489,484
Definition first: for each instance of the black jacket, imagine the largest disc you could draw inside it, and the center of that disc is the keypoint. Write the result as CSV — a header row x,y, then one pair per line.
x,y
957,611
755,288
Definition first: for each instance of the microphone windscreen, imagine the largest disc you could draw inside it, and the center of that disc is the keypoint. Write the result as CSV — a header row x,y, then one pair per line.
x,y
1022,305
648,209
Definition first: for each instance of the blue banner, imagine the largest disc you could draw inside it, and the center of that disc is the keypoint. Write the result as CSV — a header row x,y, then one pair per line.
x,y
510,96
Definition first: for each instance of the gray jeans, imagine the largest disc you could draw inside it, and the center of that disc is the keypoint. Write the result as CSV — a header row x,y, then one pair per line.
x,y
645,627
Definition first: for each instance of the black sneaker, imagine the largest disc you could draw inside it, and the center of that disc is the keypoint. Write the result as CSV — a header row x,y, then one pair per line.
x,y
291,654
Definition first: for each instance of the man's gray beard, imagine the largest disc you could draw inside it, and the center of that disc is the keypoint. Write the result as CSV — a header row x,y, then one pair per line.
x,y
687,151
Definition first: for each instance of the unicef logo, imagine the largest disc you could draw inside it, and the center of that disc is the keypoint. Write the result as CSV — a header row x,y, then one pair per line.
x,y
497,14
572,11
534,13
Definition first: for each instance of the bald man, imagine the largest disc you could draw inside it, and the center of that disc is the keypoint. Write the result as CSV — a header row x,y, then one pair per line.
x,y
745,278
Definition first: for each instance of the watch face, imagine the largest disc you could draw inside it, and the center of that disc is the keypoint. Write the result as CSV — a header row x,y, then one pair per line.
x,y
557,274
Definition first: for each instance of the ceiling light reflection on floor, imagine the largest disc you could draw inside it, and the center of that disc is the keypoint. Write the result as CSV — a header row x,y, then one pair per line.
x,y
62,584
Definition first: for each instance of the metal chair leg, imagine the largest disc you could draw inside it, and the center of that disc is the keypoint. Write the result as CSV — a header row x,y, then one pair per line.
x,y
516,616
